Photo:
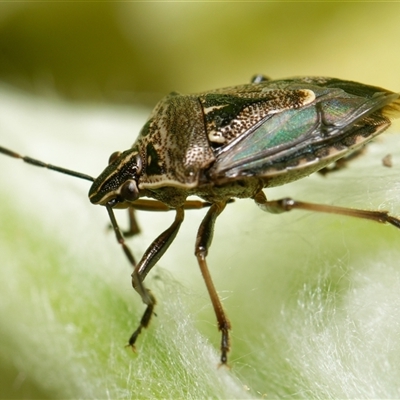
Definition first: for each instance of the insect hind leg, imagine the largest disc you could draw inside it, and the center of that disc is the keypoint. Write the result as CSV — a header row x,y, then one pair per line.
x,y
288,204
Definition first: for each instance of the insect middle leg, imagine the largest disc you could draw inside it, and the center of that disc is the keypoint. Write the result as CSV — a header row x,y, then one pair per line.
x,y
287,204
203,242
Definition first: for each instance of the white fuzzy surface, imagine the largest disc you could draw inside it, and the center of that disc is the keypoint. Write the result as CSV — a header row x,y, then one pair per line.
x,y
314,300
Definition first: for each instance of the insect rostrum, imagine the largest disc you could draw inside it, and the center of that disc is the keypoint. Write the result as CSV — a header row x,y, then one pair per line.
x,y
232,143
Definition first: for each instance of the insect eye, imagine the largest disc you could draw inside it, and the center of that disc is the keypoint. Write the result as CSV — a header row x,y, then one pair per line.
x,y
129,191
114,156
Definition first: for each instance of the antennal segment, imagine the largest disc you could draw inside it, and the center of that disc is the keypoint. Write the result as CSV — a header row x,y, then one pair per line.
x,y
42,164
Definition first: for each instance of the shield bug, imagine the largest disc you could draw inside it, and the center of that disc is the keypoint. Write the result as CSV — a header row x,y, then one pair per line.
x,y
233,143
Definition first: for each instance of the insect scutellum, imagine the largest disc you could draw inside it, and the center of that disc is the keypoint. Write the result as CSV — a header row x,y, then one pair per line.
x,y
233,143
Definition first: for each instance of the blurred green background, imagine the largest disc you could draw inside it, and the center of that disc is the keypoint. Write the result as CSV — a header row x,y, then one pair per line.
x,y
138,51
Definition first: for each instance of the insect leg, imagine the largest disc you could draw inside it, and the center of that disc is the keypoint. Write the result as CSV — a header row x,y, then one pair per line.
x,y
154,252
287,204
203,242
154,205
149,259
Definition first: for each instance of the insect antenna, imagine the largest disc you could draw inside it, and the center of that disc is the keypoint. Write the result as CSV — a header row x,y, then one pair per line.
x,y
42,164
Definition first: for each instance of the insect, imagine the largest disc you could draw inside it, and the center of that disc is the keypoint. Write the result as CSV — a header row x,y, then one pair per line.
x,y
233,143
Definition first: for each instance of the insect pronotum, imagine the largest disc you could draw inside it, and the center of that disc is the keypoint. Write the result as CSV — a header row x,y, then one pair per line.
x,y
232,143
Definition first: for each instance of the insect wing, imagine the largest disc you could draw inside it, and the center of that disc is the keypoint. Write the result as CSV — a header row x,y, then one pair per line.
x,y
333,125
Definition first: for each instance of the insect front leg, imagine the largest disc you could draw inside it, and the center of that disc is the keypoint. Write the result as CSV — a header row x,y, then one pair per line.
x,y
154,205
149,259
203,242
287,204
